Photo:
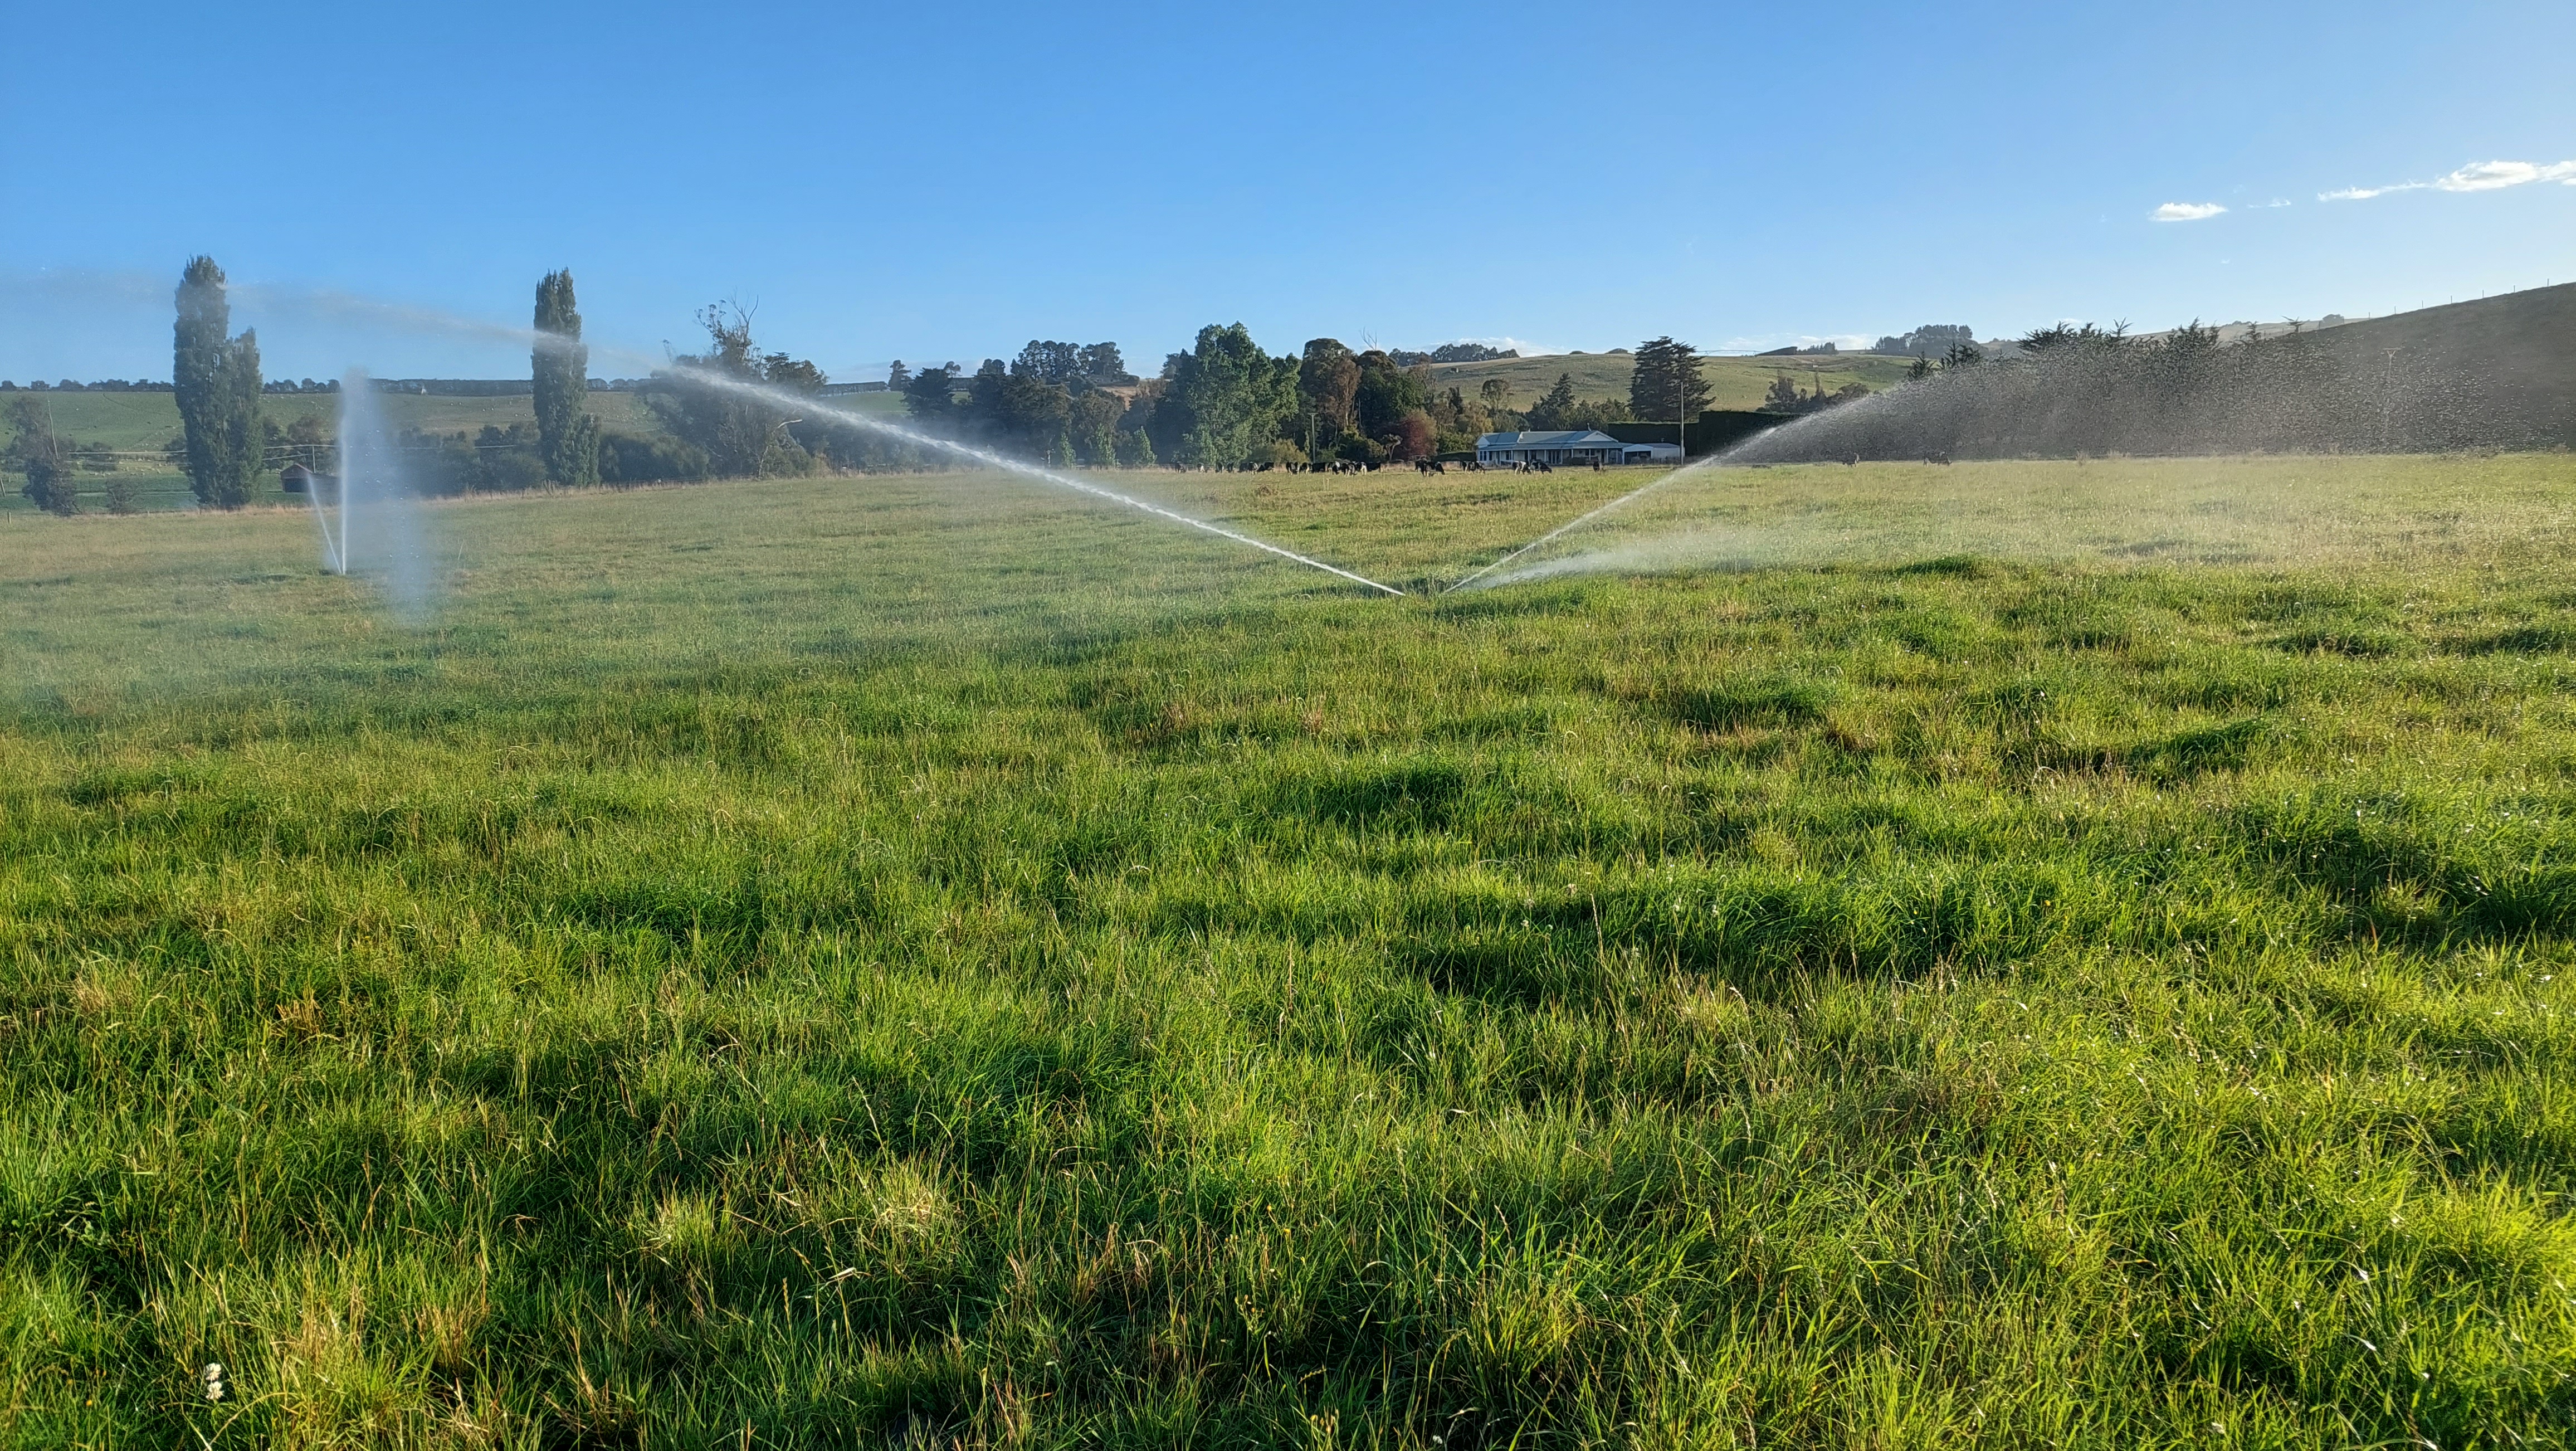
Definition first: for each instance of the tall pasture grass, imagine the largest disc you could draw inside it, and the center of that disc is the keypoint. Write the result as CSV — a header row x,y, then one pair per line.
x,y
911,962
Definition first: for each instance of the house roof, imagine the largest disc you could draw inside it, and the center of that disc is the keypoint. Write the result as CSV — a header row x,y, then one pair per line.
x,y
1559,438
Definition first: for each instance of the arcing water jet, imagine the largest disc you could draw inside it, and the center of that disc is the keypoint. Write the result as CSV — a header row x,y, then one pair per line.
x,y
782,398
1632,496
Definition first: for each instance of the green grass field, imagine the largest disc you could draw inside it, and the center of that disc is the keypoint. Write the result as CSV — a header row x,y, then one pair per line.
x,y
911,960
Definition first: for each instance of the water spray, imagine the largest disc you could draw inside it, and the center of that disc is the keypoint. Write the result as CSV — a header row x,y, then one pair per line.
x,y
789,399
1633,495
369,516
335,542
365,311
1577,522
780,397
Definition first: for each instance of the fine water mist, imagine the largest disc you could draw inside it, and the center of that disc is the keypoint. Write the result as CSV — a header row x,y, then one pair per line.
x,y
2490,375
372,522
1487,572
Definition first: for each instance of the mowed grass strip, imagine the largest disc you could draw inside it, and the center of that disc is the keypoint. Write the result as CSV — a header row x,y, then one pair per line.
x,y
924,960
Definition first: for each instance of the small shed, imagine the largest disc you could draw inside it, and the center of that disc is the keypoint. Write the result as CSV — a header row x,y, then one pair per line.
x,y
298,479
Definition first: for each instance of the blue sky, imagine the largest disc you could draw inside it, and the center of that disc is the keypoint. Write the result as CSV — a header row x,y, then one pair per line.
x,y
947,181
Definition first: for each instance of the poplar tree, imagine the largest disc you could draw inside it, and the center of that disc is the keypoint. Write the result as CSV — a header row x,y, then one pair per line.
x,y
567,437
215,380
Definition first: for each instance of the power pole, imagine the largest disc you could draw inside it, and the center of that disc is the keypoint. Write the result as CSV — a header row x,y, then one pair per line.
x,y
1681,407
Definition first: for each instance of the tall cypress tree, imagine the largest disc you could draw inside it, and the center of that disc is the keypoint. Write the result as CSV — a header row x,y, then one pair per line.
x,y
566,436
216,382
1668,382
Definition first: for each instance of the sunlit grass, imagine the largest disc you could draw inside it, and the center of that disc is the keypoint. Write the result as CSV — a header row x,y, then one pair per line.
x,y
841,961
2287,511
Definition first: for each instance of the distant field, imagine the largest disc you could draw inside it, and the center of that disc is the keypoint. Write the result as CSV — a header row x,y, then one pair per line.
x,y
2283,511
1733,382
149,421
2030,955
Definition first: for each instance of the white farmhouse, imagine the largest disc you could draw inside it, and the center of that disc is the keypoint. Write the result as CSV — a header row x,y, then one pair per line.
x,y
1569,448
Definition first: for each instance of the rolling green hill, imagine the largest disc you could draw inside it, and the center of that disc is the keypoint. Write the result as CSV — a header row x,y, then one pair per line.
x,y
1734,382
2497,373
2518,348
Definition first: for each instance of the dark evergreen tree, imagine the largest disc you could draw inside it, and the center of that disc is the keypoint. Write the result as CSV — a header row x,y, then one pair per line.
x,y
1102,364
1227,401
1599,413
1051,362
1031,416
1556,410
1668,384
567,437
1387,392
930,396
1094,427
1328,385
984,409
44,456
216,382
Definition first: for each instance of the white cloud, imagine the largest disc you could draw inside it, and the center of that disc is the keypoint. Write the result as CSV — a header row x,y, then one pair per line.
x,y
2490,175
2476,176
2186,211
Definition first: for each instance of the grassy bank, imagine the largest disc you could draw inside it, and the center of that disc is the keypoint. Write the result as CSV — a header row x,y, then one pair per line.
x,y
829,961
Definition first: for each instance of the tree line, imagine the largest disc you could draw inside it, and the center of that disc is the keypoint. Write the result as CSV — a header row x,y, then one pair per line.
x,y
1227,403
1224,403
1932,340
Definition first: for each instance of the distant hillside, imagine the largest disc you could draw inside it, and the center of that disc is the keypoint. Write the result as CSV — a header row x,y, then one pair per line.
x,y
2240,331
1734,383
2496,373
2518,349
